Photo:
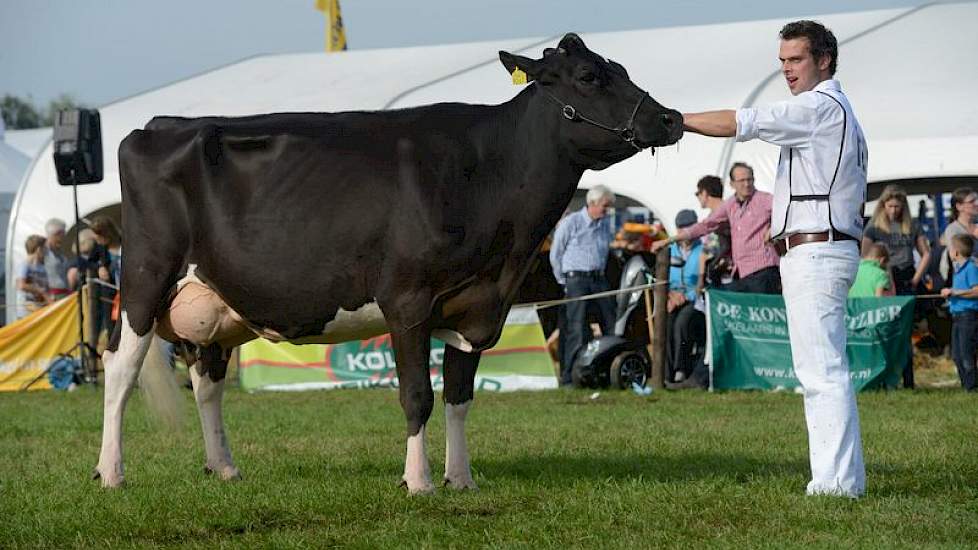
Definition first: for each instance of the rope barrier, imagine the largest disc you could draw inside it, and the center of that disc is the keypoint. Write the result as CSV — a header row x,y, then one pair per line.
x,y
551,303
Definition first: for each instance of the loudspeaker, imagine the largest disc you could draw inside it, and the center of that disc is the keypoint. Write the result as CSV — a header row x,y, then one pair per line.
x,y
78,146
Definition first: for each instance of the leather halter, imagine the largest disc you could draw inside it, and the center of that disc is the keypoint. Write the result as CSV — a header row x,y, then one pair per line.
x,y
626,132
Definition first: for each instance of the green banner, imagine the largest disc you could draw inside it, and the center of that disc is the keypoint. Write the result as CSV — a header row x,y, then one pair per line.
x,y
750,350
518,361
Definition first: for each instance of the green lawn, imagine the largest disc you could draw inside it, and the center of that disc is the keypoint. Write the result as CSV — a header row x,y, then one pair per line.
x,y
555,468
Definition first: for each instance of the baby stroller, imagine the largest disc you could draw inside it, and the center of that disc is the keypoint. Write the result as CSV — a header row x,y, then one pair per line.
x,y
614,360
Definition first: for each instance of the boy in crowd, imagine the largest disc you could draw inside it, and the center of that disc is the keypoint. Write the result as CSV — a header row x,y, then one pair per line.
x,y
963,300
32,280
873,277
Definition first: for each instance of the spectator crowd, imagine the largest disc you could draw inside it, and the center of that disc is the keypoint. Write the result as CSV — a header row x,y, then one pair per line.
x,y
731,249
52,271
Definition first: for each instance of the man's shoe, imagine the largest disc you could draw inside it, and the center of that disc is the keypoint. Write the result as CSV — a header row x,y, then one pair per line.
x,y
687,383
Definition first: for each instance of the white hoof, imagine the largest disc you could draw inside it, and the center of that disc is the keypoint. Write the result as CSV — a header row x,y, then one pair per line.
x,y
112,480
224,473
460,482
418,486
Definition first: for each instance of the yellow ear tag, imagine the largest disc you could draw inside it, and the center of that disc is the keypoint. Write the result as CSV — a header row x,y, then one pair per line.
x,y
519,77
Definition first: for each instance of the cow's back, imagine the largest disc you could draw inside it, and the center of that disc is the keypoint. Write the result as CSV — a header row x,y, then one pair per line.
x,y
290,217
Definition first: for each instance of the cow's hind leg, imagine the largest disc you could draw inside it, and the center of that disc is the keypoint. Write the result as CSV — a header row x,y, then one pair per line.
x,y
207,377
121,369
411,349
459,374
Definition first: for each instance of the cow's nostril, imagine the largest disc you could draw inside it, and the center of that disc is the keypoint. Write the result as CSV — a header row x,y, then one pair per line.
x,y
667,120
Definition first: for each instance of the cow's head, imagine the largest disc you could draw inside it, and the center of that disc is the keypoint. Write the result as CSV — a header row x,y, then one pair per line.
x,y
608,117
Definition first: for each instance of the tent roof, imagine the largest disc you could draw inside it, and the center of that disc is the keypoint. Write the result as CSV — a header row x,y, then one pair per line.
x,y
913,96
13,164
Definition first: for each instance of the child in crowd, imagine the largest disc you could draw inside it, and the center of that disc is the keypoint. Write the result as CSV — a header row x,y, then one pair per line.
x,y
963,301
873,277
32,280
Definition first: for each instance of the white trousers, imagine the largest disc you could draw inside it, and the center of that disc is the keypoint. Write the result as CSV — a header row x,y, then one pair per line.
x,y
816,278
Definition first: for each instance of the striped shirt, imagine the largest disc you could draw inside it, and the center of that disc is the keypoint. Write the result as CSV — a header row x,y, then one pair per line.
x,y
580,244
749,221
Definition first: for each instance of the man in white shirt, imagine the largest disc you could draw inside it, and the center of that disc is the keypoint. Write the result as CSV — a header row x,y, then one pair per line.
x,y
817,218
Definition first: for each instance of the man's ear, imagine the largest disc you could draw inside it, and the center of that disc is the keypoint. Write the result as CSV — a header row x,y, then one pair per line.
x,y
531,67
823,62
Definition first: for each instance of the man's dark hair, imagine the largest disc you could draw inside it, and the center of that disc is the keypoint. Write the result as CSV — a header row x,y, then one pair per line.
x,y
821,41
712,185
740,165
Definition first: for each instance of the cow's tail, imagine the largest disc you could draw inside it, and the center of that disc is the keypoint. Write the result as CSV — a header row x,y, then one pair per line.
x,y
160,388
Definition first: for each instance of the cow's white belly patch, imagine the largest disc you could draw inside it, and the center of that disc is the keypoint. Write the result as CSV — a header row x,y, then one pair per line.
x,y
453,339
360,324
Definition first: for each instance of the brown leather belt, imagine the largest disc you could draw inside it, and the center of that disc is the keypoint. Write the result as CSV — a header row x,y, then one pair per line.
x,y
796,239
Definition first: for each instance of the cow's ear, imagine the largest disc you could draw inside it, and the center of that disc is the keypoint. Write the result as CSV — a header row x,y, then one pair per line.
x,y
531,67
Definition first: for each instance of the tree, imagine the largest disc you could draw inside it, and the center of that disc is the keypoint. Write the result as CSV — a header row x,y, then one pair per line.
x,y
19,113
63,101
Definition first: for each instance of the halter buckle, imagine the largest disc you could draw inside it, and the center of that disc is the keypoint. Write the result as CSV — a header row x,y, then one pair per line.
x,y
569,112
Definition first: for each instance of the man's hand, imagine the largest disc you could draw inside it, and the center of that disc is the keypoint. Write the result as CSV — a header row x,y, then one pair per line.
x,y
675,300
658,245
945,292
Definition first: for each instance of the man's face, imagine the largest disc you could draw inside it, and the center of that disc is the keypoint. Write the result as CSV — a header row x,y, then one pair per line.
x,y
55,238
701,196
801,71
598,209
743,182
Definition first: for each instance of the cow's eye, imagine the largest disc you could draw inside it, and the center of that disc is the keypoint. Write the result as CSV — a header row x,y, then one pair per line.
x,y
588,77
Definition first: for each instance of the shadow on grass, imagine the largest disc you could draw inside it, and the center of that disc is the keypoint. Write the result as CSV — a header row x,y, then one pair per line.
x,y
561,469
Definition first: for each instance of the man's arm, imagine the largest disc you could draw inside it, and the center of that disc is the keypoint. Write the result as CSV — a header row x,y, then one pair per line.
x,y
557,248
714,221
712,123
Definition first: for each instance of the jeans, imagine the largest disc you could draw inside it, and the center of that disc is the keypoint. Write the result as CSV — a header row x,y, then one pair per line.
x,y
964,341
816,279
764,281
575,326
687,329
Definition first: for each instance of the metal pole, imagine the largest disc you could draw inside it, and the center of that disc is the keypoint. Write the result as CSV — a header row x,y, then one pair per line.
x,y
82,346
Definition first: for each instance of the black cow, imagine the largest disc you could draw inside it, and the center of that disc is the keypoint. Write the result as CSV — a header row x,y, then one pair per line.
x,y
327,227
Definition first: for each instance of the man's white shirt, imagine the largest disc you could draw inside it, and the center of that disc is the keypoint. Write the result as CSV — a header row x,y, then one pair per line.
x,y
822,149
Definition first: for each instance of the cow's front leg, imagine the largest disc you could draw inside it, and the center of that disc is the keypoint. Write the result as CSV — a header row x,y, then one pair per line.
x,y
207,377
459,374
411,349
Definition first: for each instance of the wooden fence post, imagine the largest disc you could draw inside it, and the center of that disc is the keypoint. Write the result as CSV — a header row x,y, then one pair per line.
x,y
658,318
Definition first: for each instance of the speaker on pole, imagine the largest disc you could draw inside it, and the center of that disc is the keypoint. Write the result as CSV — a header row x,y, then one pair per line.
x,y
78,146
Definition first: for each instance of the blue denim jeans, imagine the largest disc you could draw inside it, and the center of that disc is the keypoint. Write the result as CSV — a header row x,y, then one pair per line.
x,y
575,330
964,341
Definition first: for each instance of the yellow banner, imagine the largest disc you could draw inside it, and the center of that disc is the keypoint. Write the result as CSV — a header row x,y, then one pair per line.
x,y
28,345
335,34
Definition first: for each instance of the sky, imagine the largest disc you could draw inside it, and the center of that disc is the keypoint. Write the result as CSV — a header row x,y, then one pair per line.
x,y
99,51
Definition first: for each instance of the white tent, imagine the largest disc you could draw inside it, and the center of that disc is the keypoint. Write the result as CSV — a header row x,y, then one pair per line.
x,y
909,74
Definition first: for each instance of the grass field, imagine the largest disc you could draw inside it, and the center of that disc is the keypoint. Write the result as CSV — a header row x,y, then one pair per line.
x,y
555,468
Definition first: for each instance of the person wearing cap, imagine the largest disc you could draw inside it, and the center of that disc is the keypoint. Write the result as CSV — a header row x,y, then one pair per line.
x,y
578,256
687,323
819,193
747,214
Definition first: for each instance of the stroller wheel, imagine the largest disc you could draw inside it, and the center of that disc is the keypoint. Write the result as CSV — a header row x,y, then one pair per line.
x,y
627,368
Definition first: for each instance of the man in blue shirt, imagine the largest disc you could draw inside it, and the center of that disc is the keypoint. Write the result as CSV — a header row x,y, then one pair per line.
x,y
578,256
963,304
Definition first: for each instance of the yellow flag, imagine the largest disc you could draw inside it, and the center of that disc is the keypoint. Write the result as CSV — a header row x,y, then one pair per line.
x,y
335,34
